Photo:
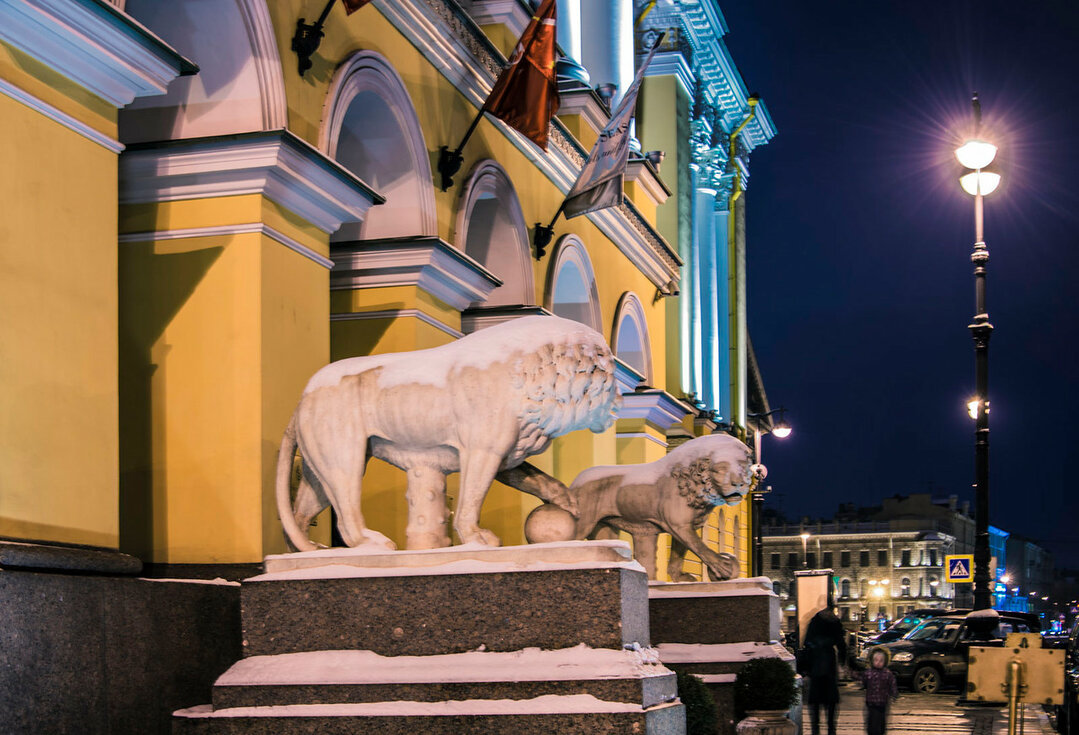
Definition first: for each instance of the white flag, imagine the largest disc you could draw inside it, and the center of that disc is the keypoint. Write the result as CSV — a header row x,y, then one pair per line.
x,y
599,184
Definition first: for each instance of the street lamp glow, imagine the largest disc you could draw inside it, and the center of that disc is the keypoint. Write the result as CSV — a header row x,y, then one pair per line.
x,y
805,536
976,153
1006,578
972,408
781,429
979,182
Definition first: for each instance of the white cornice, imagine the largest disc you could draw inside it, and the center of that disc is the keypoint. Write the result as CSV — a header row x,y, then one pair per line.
x,y
397,314
425,25
93,44
639,435
672,63
657,407
276,163
60,116
639,171
586,104
425,262
477,318
239,229
510,13
626,377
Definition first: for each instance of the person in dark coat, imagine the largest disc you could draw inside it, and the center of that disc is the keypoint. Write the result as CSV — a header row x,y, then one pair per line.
x,y
825,640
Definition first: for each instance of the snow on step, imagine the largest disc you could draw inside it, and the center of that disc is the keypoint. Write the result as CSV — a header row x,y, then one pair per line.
x,y
367,667
688,653
547,704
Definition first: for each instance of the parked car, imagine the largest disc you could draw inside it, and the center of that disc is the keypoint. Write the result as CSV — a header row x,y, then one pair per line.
x,y
935,652
907,623
1068,713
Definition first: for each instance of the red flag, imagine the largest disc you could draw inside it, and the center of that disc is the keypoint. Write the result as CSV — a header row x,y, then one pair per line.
x,y
526,93
351,6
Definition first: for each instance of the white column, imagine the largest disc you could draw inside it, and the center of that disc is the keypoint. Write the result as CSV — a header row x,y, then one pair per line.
x,y
569,38
704,236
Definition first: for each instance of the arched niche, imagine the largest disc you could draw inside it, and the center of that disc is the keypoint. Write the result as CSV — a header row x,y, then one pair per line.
x,y
491,229
239,87
629,337
571,284
370,127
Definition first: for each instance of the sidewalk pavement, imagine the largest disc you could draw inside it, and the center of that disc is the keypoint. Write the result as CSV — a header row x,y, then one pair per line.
x,y
931,713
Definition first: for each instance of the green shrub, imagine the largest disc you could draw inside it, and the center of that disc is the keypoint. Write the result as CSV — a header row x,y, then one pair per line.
x,y
699,704
764,683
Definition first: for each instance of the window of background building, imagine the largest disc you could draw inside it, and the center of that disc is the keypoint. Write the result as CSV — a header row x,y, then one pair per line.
x,y
844,613
933,585
792,560
863,558
828,559
844,588
932,557
844,558
882,557
905,587
776,587
775,561
811,560
906,558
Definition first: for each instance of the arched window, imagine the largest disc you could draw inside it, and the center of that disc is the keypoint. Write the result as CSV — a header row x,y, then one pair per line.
x,y
240,86
571,286
491,230
905,587
629,338
370,127
844,588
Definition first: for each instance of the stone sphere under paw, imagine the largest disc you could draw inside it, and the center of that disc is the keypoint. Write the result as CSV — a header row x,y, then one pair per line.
x,y
549,523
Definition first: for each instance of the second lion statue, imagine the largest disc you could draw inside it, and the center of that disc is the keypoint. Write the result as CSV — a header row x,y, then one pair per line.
x,y
476,406
673,494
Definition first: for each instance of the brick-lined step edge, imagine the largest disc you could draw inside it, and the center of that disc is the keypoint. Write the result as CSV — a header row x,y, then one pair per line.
x,y
666,719
422,615
647,691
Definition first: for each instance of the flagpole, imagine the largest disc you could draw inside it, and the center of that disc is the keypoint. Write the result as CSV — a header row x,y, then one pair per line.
x,y
449,162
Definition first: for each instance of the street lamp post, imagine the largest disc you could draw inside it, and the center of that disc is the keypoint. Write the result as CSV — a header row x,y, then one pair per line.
x,y
805,539
782,430
977,154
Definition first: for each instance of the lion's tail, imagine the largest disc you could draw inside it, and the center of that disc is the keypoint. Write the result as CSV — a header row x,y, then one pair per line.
x,y
284,480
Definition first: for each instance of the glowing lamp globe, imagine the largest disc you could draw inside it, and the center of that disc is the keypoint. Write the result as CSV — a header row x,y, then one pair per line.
x,y
976,153
782,430
979,182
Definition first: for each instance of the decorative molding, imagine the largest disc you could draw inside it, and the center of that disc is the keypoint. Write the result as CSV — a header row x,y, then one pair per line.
x,y
511,13
217,230
267,62
480,317
56,115
425,262
640,171
454,46
397,314
657,407
276,164
95,45
673,63
638,435
585,103
626,377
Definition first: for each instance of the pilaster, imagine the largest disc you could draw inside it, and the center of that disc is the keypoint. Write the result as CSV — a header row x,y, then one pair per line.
x,y
224,280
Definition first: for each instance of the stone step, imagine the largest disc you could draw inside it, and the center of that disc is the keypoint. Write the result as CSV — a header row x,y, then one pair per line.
x,y
338,677
734,611
539,716
454,608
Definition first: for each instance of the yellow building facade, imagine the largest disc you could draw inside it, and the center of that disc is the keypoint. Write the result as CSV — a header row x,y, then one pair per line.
x,y
183,252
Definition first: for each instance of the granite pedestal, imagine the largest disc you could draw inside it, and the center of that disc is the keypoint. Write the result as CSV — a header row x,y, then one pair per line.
x,y
710,629
527,640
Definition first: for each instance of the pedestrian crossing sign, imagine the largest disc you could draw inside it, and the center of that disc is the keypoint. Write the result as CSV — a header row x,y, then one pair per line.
x,y
959,567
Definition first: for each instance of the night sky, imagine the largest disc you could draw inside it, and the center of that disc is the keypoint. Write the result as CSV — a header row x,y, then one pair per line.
x,y
860,285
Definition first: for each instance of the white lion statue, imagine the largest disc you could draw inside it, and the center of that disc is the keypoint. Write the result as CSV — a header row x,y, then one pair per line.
x,y
673,494
476,406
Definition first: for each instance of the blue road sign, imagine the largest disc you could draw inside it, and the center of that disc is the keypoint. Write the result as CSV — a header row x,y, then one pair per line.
x,y
959,567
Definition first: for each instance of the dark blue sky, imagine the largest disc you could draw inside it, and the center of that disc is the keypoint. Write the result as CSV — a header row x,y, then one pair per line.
x,y
860,284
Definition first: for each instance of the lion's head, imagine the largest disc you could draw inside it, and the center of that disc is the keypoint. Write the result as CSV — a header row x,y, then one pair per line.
x,y
712,470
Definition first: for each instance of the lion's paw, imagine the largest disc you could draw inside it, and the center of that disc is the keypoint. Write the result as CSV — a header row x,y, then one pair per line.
x,y
479,535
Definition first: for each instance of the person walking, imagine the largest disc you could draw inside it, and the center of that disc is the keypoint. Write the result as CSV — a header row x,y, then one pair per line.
x,y
880,690
817,661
